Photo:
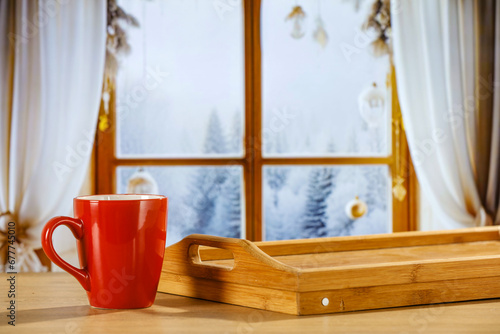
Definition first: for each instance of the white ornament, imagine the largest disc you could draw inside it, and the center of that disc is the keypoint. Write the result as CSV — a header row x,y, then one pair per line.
x,y
141,182
371,104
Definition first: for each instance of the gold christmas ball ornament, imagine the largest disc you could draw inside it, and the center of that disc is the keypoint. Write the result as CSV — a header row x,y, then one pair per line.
x,y
104,123
356,208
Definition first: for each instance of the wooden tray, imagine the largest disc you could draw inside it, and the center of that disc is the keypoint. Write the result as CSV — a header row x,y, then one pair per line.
x,y
339,274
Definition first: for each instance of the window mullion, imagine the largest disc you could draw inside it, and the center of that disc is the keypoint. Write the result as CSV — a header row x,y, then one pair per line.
x,y
253,152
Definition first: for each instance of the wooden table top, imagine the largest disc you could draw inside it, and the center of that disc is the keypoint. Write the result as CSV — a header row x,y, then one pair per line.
x,y
56,303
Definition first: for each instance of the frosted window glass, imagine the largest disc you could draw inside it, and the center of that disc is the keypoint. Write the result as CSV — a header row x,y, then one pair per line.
x,y
206,200
309,202
183,81
310,93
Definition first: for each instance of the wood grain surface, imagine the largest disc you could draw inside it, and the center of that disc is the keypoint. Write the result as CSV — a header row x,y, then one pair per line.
x,y
56,303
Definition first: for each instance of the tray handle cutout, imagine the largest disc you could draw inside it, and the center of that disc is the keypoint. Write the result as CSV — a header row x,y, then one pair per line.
x,y
196,258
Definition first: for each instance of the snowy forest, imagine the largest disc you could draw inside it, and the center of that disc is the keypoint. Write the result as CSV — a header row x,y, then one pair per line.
x,y
298,201
310,107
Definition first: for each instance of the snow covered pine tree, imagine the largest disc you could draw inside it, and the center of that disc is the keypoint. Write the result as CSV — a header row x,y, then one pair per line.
x,y
231,206
208,181
230,221
314,220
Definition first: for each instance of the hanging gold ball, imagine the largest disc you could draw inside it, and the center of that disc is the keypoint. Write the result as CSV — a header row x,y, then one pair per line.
x,y
104,123
356,208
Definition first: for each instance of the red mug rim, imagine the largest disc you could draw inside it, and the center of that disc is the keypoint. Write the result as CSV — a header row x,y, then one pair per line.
x,y
119,197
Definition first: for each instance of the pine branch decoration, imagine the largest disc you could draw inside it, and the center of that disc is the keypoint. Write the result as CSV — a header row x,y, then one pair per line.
x,y
379,20
117,44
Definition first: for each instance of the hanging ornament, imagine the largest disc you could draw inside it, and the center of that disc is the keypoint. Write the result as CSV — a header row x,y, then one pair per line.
x,y
399,191
141,182
320,34
371,103
379,22
297,15
104,122
356,208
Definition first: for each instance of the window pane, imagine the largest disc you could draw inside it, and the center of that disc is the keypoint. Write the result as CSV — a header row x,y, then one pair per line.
x,y
311,94
180,91
205,200
310,202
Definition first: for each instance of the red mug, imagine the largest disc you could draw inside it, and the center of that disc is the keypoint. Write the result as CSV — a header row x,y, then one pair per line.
x,y
121,243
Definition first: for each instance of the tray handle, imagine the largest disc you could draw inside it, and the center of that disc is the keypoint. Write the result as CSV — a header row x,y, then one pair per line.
x,y
246,254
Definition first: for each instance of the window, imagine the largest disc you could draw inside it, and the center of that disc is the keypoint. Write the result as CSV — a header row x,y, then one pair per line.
x,y
251,123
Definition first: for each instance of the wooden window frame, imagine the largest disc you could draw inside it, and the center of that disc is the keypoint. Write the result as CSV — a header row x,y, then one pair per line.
x,y
106,162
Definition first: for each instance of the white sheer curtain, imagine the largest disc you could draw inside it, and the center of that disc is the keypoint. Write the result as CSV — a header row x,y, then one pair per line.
x,y
51,68
450,106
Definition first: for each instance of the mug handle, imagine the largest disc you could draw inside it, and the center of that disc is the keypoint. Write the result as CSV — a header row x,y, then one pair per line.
x,y
76,227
